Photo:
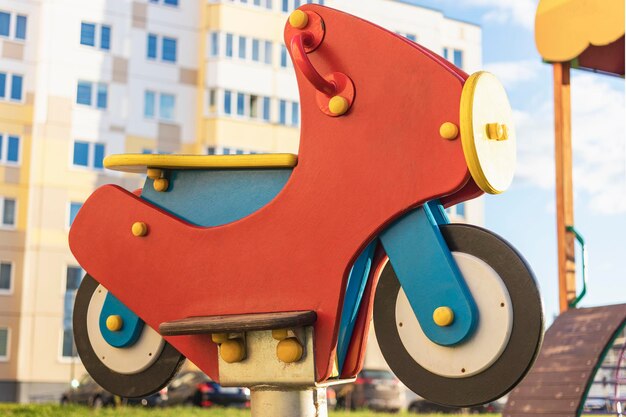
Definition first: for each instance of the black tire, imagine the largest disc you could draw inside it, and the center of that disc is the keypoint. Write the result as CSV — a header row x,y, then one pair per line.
x,y
140,384
518,355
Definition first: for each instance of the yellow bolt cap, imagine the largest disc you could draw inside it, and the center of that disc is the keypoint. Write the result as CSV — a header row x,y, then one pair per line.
x,y
497,131
161,184
289,350
219,337
139,229
449,130
154,173
279,334
298,19
443,316
338,105
232,350
114,323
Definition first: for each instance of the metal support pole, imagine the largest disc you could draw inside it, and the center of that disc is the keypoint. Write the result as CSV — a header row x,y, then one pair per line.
x,y
276,402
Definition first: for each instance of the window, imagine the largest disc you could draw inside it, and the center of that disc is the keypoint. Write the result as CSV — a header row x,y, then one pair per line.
x,y
460,209
74,276
266,109
285,6
240,104
9,149
14,84
7,209
167,50
105,37
295,114
152,46
255,50
20,27
227,102
87,34
289,5
229,44
267,4
85,92
242,47
458,58
16,87
88,154
4,343
268,52
282,107
5,22
445,53
74,207
149,104
283,56
166,2
215,43
6,277
166,104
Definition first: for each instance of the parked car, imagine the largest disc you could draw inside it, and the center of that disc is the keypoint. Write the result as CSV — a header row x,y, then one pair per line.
x,y
375,389
420,405
195,388
86,391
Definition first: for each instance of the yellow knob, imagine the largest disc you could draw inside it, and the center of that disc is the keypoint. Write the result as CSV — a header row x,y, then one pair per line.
x,y
219,337
232,350
497,131
289,350
279,334
298,19
338,105
139,229
114,323
449,130
161,184
154,173
443,316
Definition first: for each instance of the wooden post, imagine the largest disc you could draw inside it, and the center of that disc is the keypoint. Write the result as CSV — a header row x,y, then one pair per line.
x,y
564,187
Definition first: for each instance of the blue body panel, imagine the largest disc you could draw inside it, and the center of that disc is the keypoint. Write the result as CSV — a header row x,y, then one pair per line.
x,y
429,276
131,329
357,280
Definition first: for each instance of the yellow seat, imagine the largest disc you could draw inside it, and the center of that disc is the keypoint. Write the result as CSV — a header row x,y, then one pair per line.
x,y
139,163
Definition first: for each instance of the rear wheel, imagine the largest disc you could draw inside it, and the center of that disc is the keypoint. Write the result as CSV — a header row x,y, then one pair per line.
x,y
134,371
504,345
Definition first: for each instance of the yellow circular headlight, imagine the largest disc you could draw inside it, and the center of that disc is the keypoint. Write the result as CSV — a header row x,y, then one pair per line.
x,y
488,132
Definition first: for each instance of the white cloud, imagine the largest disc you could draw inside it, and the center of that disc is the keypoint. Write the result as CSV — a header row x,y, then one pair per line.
x,y
519,12
512,73
598,138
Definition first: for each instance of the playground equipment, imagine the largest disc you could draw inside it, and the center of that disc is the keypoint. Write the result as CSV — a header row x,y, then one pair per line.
x,y
589,36
263,269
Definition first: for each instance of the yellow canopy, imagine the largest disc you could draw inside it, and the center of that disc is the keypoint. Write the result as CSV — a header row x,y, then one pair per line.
x,y
564,29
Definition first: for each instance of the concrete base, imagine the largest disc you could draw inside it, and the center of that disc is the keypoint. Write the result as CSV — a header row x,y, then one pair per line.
x,y
272,402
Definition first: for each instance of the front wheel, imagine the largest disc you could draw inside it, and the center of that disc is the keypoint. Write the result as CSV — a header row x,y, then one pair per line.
x,y
131,372
502,348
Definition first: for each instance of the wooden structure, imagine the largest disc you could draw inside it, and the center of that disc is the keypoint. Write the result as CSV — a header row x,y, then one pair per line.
x,y
575,34
590,36
572,352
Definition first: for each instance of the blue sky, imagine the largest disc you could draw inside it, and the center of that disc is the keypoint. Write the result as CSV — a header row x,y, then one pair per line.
x,y
525,214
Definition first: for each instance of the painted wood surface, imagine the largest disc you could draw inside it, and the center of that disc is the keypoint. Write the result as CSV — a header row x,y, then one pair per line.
x,y
238,323
572,350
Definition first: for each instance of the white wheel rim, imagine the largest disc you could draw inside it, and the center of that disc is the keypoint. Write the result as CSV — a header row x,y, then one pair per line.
x,y
129,360
484,347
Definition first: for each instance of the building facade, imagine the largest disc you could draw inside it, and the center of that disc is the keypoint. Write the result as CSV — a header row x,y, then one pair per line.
x,y
83,79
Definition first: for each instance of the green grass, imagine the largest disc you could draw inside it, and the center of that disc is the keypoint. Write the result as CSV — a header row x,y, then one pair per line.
x,y
36,410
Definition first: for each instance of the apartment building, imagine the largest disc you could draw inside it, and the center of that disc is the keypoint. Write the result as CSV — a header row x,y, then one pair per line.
x,y
83,79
